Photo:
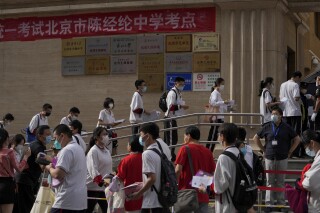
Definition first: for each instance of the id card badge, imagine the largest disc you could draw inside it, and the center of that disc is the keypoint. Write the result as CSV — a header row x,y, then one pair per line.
x,y
274,142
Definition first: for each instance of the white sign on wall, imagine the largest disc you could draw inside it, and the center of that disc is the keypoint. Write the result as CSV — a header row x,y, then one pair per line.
x,y
204,81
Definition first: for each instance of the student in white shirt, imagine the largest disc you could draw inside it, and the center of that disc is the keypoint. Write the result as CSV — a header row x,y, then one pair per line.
x,y
71,170
136,107
176,107
311,141
73,115
219,106
40,118
267,101
151,169
99,164
292,111
76,128
6,121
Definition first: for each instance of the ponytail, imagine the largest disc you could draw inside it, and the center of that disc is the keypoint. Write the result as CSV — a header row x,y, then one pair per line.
x,y
96,133
262,84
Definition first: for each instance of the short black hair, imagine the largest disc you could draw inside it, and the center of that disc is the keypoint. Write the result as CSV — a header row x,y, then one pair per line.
x,y
4,135
8,117
138,83
242,133
150,128
17,139
76,125
135,145
296,74
309,135
107,101
278,109
193,131
41,129
179,79
229,132
62,128
74,110
46,106
218,82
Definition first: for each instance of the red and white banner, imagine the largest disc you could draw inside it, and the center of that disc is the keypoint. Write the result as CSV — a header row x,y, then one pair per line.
x,y
133,22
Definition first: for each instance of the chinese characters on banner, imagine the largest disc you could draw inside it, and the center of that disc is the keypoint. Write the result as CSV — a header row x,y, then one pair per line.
x,y
204,81
95,24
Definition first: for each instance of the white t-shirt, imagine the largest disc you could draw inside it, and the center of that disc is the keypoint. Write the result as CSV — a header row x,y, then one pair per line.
x,y
81,141
174,98
249,156
151,163
37,119
106,116
290,90
136,103
99,162
216,100
66,121
72,193
264,100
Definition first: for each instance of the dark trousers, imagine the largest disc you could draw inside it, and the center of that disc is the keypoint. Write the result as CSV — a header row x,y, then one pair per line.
x,y
317,122
155,210
171,136
102,203
54,210
25,199
295,123
213,134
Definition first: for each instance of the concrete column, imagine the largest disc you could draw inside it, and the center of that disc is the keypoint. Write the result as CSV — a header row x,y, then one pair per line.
x,y
252,48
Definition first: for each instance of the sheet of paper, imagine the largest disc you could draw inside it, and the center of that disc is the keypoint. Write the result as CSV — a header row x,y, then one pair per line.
x,y
198,181
120,121
154,115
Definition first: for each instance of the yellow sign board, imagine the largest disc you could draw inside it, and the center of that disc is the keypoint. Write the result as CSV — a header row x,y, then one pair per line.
x,y
74,47
206,62
205,42
97,65
154,81
151,63
178,43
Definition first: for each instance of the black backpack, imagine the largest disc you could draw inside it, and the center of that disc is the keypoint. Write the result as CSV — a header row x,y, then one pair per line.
x,y
246,190
168,194
163,100
258,170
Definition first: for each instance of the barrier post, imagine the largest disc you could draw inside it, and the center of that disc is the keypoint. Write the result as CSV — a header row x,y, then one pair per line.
x,y
259,200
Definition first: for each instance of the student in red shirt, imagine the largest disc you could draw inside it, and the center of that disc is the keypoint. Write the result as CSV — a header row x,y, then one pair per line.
x,y
202,159
130,171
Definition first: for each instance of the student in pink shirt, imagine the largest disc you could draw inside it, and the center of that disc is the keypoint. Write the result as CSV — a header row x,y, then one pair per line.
x,y
8,164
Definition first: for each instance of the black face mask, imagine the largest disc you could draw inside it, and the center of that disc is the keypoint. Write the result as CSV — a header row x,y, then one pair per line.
x,y
48,114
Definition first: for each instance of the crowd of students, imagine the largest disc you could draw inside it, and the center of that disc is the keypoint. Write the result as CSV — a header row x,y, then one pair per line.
x,y
80,172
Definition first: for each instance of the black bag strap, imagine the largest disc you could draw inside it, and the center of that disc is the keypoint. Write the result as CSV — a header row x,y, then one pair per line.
x,y
160,147
230,155
190,160
1,126
38,120
77,139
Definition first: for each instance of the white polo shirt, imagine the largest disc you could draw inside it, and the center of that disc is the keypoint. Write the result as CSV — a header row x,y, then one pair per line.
x,y
136,103
66,121
99,162
106,116
72,193
290,90
217,101
37,119
264,100
174,98
151,163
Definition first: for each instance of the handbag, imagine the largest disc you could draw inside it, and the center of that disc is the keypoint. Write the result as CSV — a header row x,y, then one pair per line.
x,y
210,109
44,200
187,198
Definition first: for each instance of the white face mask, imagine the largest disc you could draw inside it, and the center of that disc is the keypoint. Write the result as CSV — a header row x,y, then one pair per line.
x,y
274,118
111,106
19,149
221,87
105,140
309,152
74,117
144,89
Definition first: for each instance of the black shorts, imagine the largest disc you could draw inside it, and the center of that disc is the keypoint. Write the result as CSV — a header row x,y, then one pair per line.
x,y
7,187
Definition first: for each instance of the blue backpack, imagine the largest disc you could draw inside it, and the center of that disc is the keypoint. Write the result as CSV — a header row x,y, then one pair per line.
x,y
29,135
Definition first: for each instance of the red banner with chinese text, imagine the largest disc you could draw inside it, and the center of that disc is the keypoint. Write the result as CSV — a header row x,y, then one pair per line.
x,y
96,24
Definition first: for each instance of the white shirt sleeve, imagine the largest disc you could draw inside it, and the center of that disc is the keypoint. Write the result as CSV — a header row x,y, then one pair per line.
x,y
296,91
222,175
102,115
92,164
148,163
311,178
281,95
135,103
34,122
214,99
171,99
267,97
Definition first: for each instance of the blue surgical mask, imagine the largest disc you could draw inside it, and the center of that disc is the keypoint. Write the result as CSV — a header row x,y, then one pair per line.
x,y
56,144
48,139
141,141
309,152
243,150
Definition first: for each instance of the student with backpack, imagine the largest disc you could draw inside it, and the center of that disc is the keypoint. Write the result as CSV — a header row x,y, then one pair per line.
x,y
234,185
158,173
267,101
